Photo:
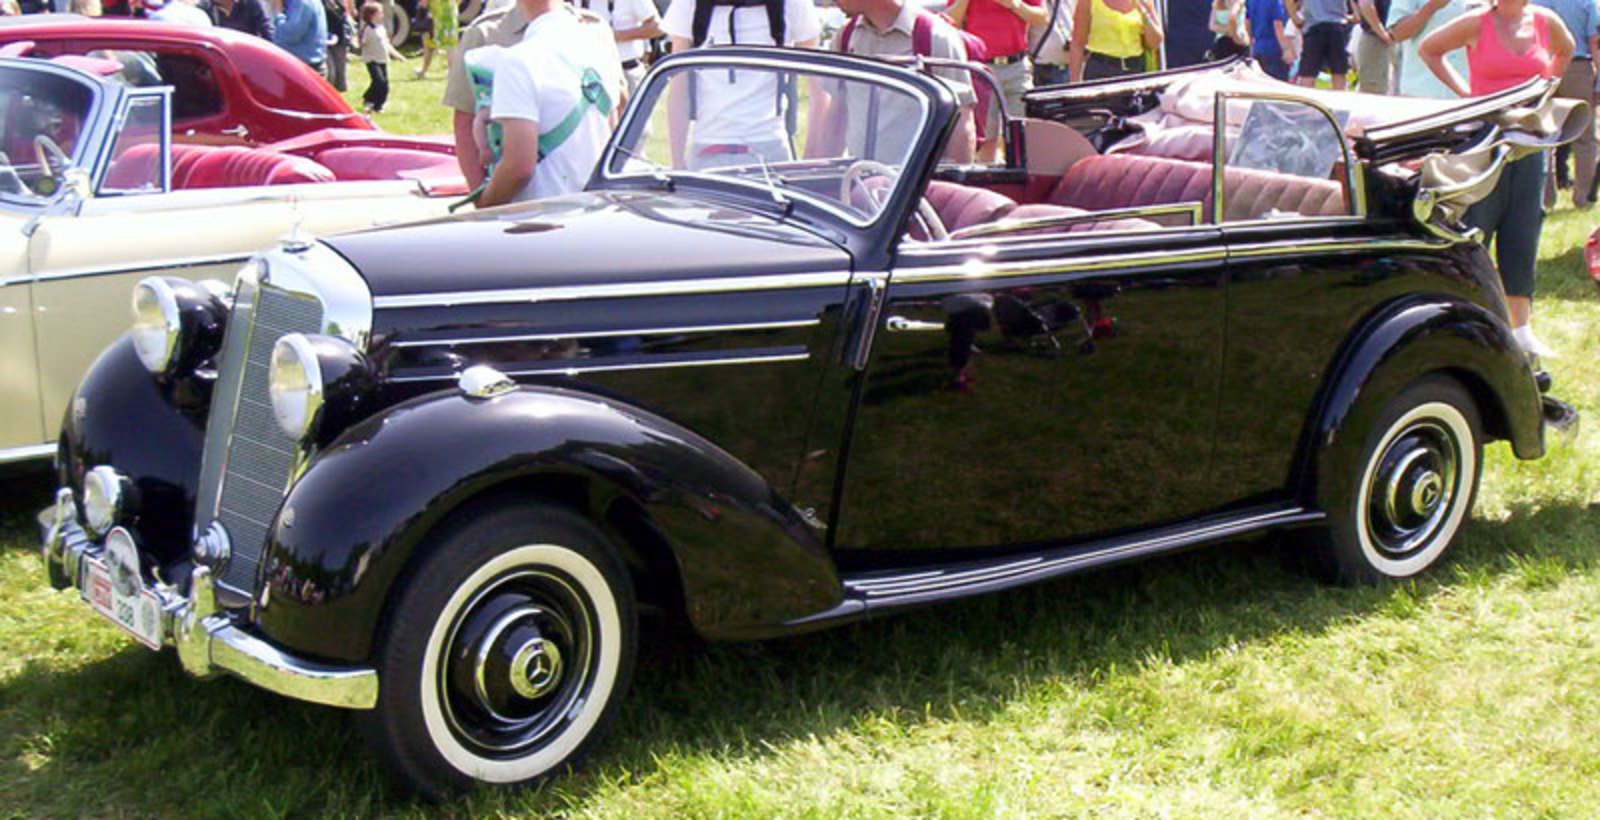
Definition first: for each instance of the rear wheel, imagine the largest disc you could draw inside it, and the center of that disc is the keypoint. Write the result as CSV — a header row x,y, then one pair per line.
x,y
1415,486
506,654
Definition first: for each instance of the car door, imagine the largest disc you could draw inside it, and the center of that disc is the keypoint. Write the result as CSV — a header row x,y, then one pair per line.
x,y
21,425
50,118
1036,389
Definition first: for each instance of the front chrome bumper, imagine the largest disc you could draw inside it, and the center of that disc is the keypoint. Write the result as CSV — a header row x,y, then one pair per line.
x,y
208,638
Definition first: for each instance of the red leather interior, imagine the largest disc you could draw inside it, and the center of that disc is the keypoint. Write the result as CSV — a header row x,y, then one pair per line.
x,y
960,206
210,166
1128,180
1107,181
234,166
133,168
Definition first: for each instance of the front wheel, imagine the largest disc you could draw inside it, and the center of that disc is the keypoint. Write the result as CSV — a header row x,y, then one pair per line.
x,y
507,652
1419,470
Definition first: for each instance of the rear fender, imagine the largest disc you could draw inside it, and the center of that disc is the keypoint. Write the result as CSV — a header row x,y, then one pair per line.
x,y
1404,342
357,518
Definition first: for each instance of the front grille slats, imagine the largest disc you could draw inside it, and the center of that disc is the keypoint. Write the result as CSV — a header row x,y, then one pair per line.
x,y
256,469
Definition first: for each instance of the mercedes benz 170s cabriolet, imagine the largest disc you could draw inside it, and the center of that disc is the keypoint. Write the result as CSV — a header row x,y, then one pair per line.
x,y
430,472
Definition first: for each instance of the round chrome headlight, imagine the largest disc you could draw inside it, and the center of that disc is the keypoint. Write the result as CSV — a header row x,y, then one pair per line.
x,y
295,385
103,497
157,324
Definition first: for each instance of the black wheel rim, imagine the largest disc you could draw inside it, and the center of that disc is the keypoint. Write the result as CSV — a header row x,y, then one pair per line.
x,y
519,662
1413,488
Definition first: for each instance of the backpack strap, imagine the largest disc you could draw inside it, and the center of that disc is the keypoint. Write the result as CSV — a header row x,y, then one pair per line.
x,y
702,21
591,93
846,32
776,23
922,34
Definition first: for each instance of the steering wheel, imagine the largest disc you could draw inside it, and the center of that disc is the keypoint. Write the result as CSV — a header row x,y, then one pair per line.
x,y
857,174
52,159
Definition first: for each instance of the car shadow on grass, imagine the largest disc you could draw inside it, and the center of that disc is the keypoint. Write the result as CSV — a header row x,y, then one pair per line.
x,y
129,732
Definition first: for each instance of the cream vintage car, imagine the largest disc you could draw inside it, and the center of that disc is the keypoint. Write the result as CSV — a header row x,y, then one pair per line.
x,y
94,197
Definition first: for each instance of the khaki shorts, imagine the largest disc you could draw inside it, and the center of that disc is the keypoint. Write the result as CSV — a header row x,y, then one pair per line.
x,y
1014,79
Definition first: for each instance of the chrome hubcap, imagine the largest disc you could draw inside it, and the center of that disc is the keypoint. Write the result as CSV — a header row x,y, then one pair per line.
x,y
1413,487
536,668
519,660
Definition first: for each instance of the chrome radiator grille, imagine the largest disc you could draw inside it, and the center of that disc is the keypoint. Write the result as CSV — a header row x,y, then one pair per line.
x,y
248,460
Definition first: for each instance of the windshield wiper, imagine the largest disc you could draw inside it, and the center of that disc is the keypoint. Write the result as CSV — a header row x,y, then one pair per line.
x,y
782,200
657,171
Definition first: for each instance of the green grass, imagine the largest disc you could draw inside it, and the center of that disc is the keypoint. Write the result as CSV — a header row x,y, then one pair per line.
x,y
414,106
1212,684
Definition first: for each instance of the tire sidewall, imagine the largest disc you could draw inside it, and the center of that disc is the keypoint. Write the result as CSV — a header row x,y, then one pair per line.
x,y
1443,402
409,727
578,728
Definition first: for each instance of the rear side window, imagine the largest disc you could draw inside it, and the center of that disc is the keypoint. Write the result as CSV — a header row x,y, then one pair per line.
x,y
1287,162
195,92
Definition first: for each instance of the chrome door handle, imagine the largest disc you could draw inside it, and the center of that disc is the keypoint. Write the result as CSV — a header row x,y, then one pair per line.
x,y
241,131
900,324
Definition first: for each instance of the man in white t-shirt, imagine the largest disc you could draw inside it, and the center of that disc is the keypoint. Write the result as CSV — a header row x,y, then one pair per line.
x,y
554,95
727,118
633,24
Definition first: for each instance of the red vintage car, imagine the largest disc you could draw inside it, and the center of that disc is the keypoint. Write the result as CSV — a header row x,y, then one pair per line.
x,y
229,88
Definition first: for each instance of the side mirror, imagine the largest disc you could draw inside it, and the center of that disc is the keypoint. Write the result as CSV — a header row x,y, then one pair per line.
x,y
75,189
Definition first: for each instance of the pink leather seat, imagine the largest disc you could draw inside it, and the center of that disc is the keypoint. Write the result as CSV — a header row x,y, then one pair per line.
x,y
1107,181
961,206
235,166
1129,181
133,168
210,166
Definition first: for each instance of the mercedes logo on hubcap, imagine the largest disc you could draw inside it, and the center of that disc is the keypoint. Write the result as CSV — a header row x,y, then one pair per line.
x,y
536,669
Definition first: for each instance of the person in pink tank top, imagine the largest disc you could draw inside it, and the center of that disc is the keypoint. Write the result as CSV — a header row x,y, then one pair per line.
x,y
1507,44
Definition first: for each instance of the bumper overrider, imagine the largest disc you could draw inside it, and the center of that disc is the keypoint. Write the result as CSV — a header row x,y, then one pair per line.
x,y
209,639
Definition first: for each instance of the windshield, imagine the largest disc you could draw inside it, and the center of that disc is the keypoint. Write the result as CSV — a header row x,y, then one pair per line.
x,y
41,117
800,133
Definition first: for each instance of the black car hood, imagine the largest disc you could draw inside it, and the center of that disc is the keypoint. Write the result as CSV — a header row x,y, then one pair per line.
x,y
583,239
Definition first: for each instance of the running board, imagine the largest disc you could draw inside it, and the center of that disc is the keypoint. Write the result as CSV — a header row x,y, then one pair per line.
x,y
874,592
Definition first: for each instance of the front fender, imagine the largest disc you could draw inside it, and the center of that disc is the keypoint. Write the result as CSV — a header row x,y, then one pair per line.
x,y
357,517
1402,343
149,430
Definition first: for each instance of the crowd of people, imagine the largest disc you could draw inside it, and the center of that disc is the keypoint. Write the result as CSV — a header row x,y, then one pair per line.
x,y
534,86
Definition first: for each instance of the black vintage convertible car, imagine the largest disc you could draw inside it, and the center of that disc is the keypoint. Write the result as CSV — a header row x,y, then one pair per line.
x,y
784,370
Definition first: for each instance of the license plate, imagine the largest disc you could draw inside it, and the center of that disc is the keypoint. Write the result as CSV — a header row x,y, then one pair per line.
x,y
138,614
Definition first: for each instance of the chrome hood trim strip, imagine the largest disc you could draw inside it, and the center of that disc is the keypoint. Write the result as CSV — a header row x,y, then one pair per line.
x,y
618,290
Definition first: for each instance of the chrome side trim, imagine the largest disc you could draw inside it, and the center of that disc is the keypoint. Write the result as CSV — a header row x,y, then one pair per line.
x,y
619,290
574,370
1301,247
978,269
887,588
602,334
207,638
27,453
170,263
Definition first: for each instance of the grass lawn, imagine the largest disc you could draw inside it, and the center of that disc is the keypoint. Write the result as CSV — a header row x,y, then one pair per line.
x,y
1213,684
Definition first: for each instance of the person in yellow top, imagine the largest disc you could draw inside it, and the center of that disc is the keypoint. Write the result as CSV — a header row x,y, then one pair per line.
x,y
1115,34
